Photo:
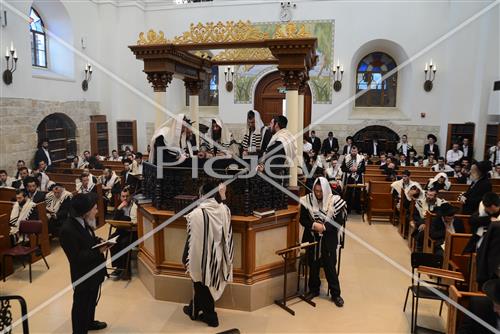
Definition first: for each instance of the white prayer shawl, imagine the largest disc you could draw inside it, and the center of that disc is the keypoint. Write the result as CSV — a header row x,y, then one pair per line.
x,y
53,204
19,214
44,182
210,246
349,161
422,205
420,196
90,186
398,185
287,139
225,137
447,183
171,131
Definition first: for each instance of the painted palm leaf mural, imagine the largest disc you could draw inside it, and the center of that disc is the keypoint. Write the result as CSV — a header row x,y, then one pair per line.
x,y
320,76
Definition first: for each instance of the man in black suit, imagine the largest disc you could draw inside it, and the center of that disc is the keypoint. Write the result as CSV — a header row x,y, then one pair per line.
x,y
315,141
348,145
31,185
373,147
431,146
43,154
487,308
467,149
445,221
330,144
480,185
77,239
267,134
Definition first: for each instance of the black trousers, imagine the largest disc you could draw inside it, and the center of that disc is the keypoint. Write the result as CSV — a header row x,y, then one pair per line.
x,y
125,238
327,261
202,301
353,198
83,310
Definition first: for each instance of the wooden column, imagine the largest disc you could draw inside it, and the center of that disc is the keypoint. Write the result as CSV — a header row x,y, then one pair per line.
x,y
300,142
160,81
193,88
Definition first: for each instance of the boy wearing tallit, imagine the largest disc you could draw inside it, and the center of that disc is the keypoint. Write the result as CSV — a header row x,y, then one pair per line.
x,y
58,205
321,214
208,254
23,209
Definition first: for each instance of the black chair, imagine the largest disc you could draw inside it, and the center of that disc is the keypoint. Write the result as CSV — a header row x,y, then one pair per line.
x,y
27,229
428,260
6,313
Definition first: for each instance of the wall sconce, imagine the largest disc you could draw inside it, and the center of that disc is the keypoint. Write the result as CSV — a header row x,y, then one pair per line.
x,y
338,73
430,75
88,76
11,64
229,76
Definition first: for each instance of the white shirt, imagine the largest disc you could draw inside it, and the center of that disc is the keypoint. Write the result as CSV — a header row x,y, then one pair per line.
x,y
405,148
431,148
465,150
445,168
494,149
48,156
452,156
375,148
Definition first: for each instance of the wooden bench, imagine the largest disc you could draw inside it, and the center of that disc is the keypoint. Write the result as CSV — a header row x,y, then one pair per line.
x,y
5,241
449,195
429,243
455,317
7,194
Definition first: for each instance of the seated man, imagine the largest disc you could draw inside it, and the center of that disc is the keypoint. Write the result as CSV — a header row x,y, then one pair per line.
x,y
412,159
430,161
126,211
423,205
480,221
398,187
419,162
210,263
31,186
441,166
459,175
454,155
114,156
5,180
23,173
219,140
445,221
321,213
174,139
21,164
58,204
439,182
110,183
136,168
402,160
333,173
23,209
494,174
486,308
480,185
129,179
85,184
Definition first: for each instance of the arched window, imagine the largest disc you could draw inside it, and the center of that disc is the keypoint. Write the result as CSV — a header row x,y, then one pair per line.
x,y
371,69
38,40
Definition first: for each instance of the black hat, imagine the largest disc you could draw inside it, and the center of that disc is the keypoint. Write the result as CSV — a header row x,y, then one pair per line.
x,y
483,166
429,136
446,210
492,290
83,203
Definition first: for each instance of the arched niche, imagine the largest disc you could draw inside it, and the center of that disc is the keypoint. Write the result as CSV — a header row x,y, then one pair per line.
x,y
60,131
387,138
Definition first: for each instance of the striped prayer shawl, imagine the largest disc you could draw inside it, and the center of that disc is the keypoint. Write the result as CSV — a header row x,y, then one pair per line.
x,y
53,204
210,246
252,140
19,214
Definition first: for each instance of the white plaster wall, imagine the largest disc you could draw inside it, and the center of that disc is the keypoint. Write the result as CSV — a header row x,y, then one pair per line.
x,y
467,61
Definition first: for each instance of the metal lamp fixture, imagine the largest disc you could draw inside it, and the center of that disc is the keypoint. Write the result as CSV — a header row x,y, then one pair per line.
x,y
88,76
338,73
430,74
229,76
11,64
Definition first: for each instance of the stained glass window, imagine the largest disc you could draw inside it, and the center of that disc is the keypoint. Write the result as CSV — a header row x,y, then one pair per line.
x,y
38,40
372,74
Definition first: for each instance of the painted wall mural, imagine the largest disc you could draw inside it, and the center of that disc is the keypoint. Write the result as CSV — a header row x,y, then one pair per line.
x,y
320,80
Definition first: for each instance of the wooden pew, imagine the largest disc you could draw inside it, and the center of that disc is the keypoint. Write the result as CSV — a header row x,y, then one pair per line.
x,y
455,317
7,194
449,195
5,241
62,177
380,202
44,236
430,243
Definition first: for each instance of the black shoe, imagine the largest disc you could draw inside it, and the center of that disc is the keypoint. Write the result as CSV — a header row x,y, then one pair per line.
x,y
97,325
188,310
338,301
312,294
115,275
210,320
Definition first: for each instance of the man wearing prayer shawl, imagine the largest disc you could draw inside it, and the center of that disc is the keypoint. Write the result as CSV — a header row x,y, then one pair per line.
x,y
218,140
175,136
208,254
321,214
255,133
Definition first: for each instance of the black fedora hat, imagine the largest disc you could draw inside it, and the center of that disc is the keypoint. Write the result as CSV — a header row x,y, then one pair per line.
x,y
446,210
492,290
429,136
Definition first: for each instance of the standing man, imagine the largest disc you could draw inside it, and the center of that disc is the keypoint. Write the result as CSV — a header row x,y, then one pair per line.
x,y
255,130
431,146
43,154
330,144
316,142
353,168
404,147
347,146
77,239
208,254
321,213
468,151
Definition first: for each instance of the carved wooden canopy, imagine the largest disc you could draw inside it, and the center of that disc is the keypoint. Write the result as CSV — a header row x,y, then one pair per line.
x,y
291,48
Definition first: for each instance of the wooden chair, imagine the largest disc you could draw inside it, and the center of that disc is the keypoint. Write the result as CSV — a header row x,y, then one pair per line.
x,y
380,207
455,317
30,229
127,226
454,259
428,242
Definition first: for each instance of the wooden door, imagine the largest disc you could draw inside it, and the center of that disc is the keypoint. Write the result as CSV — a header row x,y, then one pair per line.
x,y
269,98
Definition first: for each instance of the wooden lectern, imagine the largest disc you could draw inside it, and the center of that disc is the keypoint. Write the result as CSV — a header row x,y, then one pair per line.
x,y
289,255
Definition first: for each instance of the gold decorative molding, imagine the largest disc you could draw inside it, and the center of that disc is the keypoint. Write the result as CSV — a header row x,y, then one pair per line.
x,y
291,30
152,38
254,54
221,32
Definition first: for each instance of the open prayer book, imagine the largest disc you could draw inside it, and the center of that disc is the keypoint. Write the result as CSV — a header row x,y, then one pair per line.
x,y
111,242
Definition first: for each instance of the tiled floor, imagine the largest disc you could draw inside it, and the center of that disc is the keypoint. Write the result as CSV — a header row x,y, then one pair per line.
x,y
373,290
